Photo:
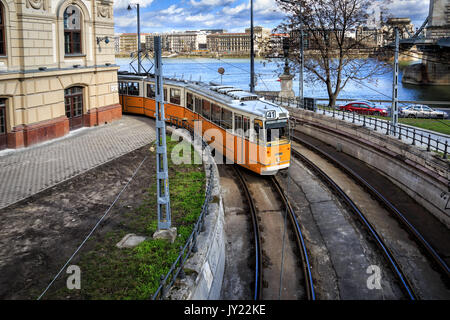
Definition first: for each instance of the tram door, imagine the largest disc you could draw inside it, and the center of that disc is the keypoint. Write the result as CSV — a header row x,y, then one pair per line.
x,y
73,98
3,133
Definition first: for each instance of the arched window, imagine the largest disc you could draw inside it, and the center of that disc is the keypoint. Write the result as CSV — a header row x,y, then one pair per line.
x,y
73,100
2,32
72,30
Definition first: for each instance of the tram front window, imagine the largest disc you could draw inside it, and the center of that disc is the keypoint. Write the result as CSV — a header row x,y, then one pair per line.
x,y
277,130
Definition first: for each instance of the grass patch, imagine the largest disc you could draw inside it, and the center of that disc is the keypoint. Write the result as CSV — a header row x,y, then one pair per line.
x,y
108,272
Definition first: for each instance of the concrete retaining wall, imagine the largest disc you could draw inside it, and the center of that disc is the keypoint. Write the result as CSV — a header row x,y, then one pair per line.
x,y
421,174
205,268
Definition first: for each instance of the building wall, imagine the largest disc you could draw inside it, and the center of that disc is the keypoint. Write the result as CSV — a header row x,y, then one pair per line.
x,y
35,70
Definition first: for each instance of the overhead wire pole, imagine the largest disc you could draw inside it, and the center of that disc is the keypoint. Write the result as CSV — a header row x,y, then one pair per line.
x,y
139,38
252,51
300,89
394,109
162,172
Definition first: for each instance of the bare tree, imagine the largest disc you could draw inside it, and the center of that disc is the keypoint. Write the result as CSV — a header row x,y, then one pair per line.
x,y
334,55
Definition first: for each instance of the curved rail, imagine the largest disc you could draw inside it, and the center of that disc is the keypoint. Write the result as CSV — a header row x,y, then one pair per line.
x,y
257,239
387,204
299,240
405,283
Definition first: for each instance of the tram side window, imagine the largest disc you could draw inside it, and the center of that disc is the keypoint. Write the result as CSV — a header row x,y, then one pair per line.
x,y
165,95
122,88
198,105
246,127
227,118
175,96
216,113
133,88
258,129
206,109
151,93
237,124
189,101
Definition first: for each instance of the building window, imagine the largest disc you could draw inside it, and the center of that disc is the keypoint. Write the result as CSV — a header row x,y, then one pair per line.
x,y
73,100
72,30
2,32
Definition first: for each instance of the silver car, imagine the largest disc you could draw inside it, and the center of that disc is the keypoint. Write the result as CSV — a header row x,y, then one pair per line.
x,y
422,111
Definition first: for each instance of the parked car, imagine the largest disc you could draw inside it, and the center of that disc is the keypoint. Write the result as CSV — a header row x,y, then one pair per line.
x,y
364,107
422,111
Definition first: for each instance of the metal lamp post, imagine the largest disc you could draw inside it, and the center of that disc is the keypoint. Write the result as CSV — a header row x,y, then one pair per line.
x,y
252,51
300,89
138,35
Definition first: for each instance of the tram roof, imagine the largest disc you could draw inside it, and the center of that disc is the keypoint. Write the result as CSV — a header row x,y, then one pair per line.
x,y
234,97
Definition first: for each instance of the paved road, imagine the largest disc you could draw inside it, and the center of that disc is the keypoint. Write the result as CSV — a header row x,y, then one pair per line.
x,y
27,171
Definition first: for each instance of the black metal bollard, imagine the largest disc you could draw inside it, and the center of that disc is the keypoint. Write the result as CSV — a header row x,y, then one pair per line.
x,y
181,274
429,143
375,125
414,137
445,150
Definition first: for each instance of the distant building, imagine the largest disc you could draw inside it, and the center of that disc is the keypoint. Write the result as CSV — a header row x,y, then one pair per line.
x,y
369,37
179,42
128,42
239,43
231,43
209,31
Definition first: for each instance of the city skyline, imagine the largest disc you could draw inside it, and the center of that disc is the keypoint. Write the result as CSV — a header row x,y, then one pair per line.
x,y
232,15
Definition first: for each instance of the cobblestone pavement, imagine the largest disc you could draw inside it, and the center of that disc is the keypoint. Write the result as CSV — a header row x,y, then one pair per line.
x,y
27,171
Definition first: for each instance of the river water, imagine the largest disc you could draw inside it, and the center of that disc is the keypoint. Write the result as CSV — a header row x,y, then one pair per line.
x,y
237,74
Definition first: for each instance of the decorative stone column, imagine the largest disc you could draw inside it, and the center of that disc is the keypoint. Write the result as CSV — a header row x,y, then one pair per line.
x,y
286,83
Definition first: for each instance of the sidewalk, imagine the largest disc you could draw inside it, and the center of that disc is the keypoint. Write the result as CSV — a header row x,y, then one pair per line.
x,y
24,172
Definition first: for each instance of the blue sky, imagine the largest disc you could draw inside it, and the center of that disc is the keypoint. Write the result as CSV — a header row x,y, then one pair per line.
x,y
232,15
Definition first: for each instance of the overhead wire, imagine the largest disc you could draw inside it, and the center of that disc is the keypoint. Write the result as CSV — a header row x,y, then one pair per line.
x,y
94,228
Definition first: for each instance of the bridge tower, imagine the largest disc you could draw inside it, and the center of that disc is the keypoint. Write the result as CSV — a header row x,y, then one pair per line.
x,y
434,43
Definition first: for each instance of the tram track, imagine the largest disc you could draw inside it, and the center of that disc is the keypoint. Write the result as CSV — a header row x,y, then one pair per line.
x,y
266,226
403,280
352,170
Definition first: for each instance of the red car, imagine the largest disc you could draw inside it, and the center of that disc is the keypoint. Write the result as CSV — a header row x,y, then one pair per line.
x,y
364,107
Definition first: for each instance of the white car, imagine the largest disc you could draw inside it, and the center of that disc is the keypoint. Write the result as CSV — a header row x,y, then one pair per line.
x,y
421,111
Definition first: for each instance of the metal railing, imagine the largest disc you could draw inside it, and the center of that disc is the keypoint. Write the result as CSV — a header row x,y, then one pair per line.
x,y
176,270
415,136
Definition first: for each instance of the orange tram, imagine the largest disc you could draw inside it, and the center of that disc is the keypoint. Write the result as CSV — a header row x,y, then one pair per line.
x,y
248,130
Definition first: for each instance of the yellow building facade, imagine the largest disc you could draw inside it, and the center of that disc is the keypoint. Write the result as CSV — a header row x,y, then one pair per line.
x,y
57,68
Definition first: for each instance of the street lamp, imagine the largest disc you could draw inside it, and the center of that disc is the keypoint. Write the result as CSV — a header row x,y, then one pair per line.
x,y
252,51
138,36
